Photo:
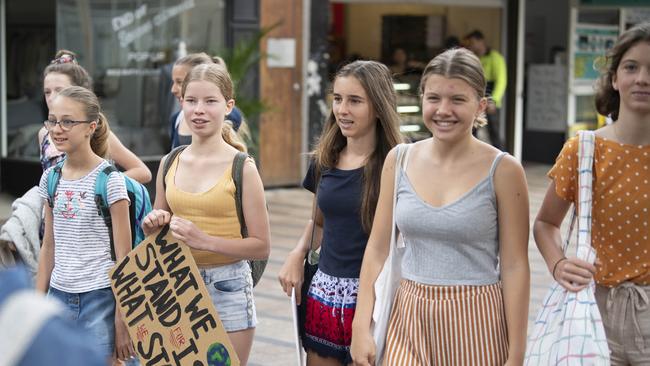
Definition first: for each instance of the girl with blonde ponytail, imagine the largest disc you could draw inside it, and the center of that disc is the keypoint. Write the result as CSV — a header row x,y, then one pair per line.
x,y
75,257
196,197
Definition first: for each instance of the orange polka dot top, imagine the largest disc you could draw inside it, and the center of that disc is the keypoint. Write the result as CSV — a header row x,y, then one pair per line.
x,y
621,201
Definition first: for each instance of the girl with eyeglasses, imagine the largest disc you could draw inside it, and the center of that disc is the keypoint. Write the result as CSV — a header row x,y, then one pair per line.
x,y
75,257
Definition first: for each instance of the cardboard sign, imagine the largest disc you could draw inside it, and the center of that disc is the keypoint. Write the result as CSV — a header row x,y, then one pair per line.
x,y
167,308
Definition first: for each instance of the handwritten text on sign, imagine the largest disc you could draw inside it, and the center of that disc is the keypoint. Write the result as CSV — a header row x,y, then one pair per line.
x,y
167,308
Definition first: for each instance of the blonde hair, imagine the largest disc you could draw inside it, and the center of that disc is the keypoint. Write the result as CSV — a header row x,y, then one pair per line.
x,y
92,109
458,63
196,59
217,75
376,80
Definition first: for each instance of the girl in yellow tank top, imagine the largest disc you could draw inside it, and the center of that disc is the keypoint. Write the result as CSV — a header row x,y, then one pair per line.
x,y
199,204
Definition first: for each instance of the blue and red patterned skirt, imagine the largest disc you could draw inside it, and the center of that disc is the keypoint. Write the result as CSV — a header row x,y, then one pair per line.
x,y
331,303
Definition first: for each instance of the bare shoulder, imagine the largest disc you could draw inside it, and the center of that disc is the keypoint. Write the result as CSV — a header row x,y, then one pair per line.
x,y
606,132
509,173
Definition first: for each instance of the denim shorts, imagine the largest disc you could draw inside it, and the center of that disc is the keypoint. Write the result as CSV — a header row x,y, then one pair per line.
x,y
231,289
95,312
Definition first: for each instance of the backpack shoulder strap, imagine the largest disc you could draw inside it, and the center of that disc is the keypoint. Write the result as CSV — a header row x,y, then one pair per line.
x,y
101,190
53,178
238,179
169,159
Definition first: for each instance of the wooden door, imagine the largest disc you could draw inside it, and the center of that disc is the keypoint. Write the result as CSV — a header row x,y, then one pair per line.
x,y
281,88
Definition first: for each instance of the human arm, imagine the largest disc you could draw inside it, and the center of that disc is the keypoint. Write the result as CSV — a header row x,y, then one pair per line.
x,y
122,244
291,274
501,78
256,245
125,158
572,273
160,215
363,347
46,256
513,220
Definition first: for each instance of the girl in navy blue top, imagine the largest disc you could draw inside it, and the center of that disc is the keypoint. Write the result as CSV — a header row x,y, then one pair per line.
x,y
345,172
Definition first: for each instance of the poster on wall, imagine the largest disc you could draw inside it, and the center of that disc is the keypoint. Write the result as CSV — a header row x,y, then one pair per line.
x,y
546,99
591,41
167,308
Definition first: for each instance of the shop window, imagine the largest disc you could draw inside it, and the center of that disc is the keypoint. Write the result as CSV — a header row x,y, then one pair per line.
x,y
129,48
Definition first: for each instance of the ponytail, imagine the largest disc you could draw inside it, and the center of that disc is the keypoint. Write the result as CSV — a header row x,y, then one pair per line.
x,y
231,138
92,109
99,139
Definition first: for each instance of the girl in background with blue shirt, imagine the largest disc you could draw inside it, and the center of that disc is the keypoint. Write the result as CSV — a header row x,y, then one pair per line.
x,y
362,128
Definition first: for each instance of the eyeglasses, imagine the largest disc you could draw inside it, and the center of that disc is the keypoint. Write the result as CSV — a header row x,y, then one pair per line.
x,y
65,124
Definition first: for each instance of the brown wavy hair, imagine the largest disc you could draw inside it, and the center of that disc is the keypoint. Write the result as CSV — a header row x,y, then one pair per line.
x,y
65,62
93,111
219,76
607,99
375,78
458,63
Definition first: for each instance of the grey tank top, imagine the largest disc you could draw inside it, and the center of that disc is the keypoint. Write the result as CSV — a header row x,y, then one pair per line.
x,y
455,244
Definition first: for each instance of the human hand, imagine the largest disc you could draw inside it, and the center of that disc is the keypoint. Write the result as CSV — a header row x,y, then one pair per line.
x,y
123,346
573,274
363,348
291,274
154,221
190,234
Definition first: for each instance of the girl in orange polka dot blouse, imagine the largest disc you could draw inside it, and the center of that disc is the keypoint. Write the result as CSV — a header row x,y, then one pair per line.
x,y
621,200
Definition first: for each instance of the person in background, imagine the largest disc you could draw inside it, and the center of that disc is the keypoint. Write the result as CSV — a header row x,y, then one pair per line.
x,y
179,130
362,128
620,221
496,75
196,198
33,329
462,210
65,71
75,257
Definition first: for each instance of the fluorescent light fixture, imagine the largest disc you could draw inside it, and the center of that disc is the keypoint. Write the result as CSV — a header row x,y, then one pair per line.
x,y
408,109
402,86
409,128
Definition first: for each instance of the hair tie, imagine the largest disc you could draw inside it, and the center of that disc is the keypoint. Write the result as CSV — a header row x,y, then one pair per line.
x,y
64,59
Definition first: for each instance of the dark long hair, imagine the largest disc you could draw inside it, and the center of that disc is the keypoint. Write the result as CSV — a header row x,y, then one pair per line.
x,y
375,78
607,99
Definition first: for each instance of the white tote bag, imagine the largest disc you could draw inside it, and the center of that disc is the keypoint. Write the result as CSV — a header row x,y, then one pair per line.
x,y
391,274
568,329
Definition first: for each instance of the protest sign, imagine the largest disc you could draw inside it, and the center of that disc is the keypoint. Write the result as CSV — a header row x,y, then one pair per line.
x,y
167,308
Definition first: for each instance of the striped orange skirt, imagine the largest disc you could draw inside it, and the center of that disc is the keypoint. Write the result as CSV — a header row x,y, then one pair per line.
x,y
447,325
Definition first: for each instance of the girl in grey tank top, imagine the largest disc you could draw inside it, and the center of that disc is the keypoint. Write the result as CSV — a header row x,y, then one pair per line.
x,y
461,207
455,244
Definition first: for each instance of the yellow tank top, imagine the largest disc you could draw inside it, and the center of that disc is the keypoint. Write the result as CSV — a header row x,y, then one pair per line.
x,y
213,211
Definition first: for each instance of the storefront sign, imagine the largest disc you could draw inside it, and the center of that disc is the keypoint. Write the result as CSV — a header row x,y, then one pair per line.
x,y
128,32
167,308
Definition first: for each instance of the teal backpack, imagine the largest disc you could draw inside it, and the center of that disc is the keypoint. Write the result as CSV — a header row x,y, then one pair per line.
x,y
138,209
